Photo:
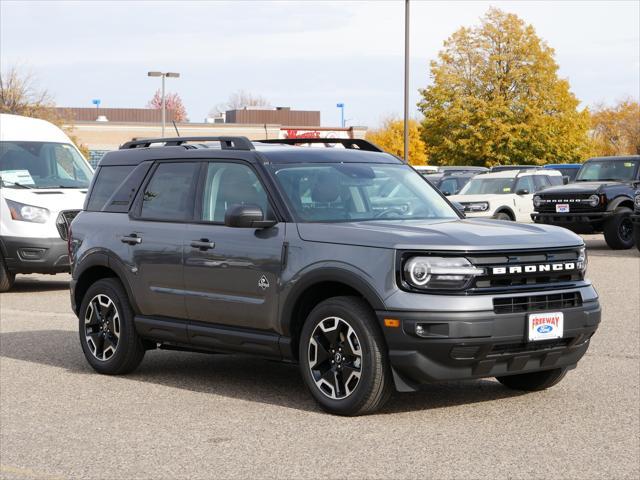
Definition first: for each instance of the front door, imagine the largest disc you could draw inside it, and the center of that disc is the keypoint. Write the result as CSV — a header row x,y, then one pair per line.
x,y
524,202
232,274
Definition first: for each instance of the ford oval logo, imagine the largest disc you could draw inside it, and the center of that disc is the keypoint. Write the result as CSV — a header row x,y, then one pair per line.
x,y
544,328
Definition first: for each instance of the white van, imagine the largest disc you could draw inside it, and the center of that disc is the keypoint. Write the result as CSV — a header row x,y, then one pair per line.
x,y
43,182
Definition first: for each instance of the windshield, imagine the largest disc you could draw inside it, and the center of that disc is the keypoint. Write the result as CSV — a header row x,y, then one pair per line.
x,y
613,170
492,186
358,192
42,165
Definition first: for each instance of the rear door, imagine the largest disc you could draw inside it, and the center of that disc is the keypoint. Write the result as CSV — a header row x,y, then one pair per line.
x,y
524,203
155,236
232,274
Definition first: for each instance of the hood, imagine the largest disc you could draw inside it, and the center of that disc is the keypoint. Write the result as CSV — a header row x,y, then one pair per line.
x,y
53,199
484,197
469,234
581,188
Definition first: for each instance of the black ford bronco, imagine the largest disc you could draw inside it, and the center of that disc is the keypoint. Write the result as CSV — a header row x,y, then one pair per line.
x,y
635,218
344,260
600,200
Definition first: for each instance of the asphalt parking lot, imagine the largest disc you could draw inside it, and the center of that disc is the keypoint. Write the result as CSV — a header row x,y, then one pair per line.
x,y
184,415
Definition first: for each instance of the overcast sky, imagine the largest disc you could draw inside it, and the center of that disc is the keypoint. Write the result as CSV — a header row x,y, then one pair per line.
x,y
307,55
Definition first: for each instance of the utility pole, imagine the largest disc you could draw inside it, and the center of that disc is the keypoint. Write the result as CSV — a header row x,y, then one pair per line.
x,y
406,80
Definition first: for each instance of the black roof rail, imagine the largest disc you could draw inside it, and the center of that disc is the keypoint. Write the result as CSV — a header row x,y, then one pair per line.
x,y
350,143
226,143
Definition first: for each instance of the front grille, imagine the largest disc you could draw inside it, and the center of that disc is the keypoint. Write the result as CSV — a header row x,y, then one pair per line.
x,y
64,220
534,303
520,348
530,277
577,203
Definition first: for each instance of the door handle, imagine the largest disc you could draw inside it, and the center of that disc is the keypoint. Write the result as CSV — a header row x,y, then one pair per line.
x,y
132,239
203,244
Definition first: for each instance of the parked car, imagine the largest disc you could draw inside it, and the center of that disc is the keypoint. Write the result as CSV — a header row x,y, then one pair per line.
x,y
600,200
43,181
450,182
635,217
303,255
505,195
568,170
504,168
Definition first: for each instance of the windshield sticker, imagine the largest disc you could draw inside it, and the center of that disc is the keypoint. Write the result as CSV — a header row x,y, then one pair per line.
x,y
21,177
506,189
628,164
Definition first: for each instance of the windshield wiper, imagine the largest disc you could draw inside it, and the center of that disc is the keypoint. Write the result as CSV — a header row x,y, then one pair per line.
x,y
17,184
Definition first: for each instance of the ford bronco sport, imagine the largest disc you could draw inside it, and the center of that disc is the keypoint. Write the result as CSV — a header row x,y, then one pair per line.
x,y
600,200
344,260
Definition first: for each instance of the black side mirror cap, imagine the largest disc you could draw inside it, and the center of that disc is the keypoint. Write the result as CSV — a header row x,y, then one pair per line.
x,y
565,179
522,191
246,216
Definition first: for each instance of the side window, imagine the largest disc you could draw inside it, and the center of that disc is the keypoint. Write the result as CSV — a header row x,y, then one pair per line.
x,y
230,184
449,186
525,183
170,192
541,182
556,180
108,179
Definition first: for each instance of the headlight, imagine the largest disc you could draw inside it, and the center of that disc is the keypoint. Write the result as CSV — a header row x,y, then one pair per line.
x,y
593,200
637,200
439,273
476,206
27,213
582,260
537,201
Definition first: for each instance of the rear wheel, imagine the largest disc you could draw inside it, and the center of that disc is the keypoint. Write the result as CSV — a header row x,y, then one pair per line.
x,y
535,381
636,234
343,358
7,278
618,230
107,334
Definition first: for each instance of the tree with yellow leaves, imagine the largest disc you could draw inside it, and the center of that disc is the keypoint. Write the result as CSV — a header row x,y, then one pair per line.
x,y
616,130
390,137
496,98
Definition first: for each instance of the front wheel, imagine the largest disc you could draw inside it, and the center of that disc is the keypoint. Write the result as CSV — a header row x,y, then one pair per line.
x,y
535,381
7,278
343,358
636,234
107,333
503,216
618,230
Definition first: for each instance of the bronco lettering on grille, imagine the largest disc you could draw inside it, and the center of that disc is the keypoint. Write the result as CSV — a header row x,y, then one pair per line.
x,y
545,267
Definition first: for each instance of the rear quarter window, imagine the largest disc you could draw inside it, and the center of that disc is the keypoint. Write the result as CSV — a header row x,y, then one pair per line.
x,y
108,179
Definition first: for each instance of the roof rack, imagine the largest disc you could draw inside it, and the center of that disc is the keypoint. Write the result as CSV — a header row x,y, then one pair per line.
x,y
226,143
350,143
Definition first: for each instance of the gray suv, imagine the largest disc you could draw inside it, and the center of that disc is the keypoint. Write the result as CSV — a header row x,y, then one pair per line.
x,y
344,260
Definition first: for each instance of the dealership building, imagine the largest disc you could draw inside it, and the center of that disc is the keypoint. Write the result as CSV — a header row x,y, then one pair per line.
x,y
105,129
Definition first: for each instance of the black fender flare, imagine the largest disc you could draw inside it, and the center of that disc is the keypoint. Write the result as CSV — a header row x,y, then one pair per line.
x,y
325,274
617,201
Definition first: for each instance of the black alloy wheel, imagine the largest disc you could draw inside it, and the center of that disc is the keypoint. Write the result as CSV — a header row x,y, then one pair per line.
x,y
102,327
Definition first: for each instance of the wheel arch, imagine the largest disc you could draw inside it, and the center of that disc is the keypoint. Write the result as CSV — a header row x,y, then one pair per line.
x,y
316,287
507,210
621,201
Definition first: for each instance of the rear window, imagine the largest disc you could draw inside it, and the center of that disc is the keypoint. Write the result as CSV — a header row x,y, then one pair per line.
x,y
108,179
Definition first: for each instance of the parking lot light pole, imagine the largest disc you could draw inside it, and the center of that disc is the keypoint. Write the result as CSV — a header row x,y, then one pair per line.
x,y
164,106
406,81
341,107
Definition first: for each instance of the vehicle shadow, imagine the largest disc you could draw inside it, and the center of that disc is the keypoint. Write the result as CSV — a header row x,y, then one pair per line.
x,y
598,247
234,376
26,283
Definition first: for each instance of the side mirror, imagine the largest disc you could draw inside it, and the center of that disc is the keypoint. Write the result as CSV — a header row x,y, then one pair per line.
x,y
565,179
446,193
460,208
522,191
246,216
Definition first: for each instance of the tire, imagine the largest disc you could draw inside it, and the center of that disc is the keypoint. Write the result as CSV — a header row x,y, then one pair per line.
x,y
7,278
359,351
503,216
109,340
618,230
636,234
535,381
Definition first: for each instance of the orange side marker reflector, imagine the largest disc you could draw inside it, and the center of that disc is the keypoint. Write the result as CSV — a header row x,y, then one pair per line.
x,y
391,322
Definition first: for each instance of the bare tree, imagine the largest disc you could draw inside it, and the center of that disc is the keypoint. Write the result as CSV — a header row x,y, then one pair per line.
x,y
20,95
239,100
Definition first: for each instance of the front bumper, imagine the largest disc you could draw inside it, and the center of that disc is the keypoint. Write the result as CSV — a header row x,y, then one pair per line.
x,y
35,255
567,219
468,345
